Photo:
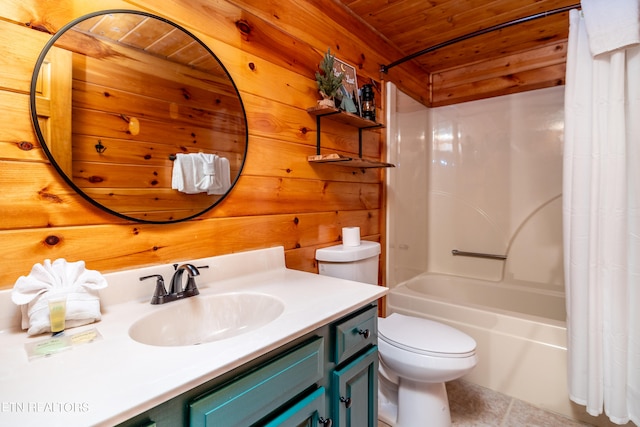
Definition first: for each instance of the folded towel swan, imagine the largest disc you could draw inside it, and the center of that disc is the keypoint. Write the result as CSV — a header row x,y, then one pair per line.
x,y
51,280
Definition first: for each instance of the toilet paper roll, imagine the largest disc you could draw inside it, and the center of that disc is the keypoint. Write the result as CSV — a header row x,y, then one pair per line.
x,y
351,236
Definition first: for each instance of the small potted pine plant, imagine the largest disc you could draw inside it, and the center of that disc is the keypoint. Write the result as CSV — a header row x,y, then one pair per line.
x,y
328,81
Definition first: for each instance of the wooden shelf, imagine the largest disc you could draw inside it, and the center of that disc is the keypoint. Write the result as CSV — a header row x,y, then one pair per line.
x,y
343,117
355,162
354,120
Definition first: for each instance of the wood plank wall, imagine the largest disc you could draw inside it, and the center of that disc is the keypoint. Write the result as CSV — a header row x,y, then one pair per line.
x,y
280,198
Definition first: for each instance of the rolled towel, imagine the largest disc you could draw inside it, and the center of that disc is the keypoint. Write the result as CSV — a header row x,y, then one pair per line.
x,y
53,280
222,177
206,172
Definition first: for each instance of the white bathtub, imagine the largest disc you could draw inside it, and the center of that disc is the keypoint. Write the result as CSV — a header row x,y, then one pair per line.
x,y
520,332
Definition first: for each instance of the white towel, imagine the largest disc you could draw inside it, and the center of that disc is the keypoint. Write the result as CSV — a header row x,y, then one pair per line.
x,y
52,280
200,173
185,170
610,24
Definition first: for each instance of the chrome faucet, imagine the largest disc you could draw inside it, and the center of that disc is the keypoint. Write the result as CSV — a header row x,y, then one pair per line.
x,y
176,291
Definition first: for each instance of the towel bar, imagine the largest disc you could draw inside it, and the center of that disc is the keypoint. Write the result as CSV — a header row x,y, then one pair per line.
x,y
455,252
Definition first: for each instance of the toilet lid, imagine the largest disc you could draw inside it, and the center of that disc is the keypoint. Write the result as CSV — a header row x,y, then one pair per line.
x,y
425,336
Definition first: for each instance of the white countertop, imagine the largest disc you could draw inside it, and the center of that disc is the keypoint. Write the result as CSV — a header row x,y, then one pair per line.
x,y
115,378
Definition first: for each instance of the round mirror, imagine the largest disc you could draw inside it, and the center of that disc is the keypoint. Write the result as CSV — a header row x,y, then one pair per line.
x,y
139,116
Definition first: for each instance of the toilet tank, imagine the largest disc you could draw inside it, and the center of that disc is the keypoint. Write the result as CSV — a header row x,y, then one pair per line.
x,y
358,263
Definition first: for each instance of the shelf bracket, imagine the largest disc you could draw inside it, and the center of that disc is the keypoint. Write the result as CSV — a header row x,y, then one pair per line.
x,y
349,119
360,129
318,130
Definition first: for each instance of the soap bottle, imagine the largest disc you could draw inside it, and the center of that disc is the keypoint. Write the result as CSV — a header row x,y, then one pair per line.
x,y
57,314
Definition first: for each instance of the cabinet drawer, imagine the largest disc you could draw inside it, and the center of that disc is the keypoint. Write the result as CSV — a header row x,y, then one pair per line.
x,y
261,391
355,333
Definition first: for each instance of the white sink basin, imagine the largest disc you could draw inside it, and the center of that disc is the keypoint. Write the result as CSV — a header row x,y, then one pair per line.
x,y
202,319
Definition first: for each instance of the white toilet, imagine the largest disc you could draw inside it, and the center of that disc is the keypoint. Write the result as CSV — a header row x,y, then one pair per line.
x,y
417,356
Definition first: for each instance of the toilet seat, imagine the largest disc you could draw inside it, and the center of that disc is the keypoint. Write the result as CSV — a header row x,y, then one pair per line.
x,y
425,336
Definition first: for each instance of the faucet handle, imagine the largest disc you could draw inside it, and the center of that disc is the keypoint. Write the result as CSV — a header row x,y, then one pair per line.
x,y
160,292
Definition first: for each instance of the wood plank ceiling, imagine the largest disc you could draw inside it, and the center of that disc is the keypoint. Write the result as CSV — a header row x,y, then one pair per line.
x,y
525,56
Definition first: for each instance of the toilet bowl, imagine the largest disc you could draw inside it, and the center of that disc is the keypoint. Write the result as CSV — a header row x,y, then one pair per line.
x,y
417,356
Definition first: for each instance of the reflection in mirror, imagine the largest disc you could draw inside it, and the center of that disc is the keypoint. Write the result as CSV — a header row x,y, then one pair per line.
x,y
116,95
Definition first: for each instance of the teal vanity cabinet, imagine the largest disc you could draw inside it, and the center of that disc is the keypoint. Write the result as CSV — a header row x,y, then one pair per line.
x,y
327,378
354,378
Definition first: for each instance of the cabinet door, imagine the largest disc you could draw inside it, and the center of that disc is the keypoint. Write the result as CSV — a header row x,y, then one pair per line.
x,y
354,392
307,412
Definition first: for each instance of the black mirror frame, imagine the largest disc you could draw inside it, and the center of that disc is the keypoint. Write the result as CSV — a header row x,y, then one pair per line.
x,y
69,180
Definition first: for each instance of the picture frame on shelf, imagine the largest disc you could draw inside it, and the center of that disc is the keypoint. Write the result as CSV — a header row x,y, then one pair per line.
x,y
349,90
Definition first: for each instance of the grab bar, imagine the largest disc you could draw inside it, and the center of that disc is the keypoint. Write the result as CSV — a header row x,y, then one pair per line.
x,y
455,252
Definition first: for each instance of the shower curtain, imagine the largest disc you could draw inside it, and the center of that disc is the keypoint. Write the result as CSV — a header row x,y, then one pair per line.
x,y
601,208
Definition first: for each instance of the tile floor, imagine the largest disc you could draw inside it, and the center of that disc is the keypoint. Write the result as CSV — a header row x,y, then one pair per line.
x,y
473,405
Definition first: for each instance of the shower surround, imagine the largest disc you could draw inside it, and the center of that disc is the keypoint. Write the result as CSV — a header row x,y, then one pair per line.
x,y
484,177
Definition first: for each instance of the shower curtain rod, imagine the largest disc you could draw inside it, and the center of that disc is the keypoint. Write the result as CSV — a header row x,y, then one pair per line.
x,y
385,68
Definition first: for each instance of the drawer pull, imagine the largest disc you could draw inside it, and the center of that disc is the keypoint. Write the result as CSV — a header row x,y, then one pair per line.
x,y
365,333
326,422
346,401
